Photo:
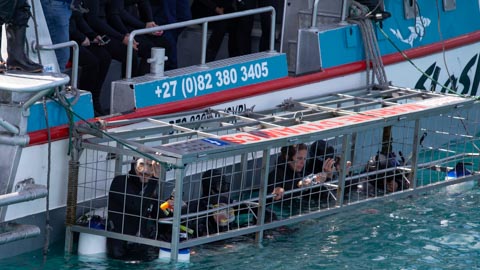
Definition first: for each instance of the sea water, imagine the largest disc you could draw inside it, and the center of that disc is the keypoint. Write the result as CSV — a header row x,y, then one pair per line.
x,y
436,230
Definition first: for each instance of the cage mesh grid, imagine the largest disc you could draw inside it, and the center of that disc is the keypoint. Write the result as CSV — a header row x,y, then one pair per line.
x,y
441,141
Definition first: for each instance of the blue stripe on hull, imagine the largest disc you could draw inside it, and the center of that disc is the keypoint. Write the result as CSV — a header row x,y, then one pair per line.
x,y
344,45
56,113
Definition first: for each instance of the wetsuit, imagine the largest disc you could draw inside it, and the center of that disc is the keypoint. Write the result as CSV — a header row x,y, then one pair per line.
x,y
93,59
132,210
97,19
283,176
204,225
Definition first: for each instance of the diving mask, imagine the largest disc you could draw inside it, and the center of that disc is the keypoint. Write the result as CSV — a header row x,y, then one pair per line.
x,y
147,167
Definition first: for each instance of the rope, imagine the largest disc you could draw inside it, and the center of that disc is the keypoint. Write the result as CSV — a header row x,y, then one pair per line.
x,y
70,217
35,26
373,58
48,228
449,90
61,95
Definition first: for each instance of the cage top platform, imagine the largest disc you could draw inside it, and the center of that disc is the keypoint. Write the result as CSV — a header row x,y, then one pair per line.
x,y
293,120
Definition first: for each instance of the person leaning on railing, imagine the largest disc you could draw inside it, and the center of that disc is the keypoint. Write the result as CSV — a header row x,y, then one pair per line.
x,y
289,172
168,12
228,214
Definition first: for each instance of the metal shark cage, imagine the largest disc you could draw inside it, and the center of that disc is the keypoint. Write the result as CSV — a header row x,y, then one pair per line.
x,y
419,139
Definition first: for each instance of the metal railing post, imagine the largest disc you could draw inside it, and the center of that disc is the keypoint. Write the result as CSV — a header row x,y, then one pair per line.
x,y
67,44
273,15
204,43
314,15
343,20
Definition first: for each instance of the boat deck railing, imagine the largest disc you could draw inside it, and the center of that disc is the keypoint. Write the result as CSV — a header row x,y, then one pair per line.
x,y
204,22
426,141
344,13
69,44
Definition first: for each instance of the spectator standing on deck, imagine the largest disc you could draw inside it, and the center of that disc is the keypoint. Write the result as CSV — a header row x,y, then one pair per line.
x,y
57,15
171,11
206,8
265,22
243,28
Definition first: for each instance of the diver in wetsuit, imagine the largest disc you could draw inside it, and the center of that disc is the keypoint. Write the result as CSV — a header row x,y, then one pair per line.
x,y
290,173
132,210
215,194
384,182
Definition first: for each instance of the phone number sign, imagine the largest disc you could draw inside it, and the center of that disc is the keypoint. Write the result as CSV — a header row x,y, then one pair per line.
x,y
210,81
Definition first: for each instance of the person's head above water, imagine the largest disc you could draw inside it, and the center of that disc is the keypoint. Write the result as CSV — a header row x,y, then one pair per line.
x,y
386,178
295,155
145,169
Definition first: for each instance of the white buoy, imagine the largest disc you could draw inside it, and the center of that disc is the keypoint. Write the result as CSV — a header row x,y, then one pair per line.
x,y
90,244
183,254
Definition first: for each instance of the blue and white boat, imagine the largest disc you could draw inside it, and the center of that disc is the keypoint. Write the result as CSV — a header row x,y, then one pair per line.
x,y
430,45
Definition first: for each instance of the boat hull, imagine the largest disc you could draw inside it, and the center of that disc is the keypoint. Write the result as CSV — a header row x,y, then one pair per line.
x,y
57,232
463,63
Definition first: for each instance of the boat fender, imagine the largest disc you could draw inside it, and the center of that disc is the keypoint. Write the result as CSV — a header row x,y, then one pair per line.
x,y
89,244
183,254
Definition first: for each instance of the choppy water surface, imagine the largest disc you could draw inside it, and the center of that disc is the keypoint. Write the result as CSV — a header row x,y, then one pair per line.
x,y
438,230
